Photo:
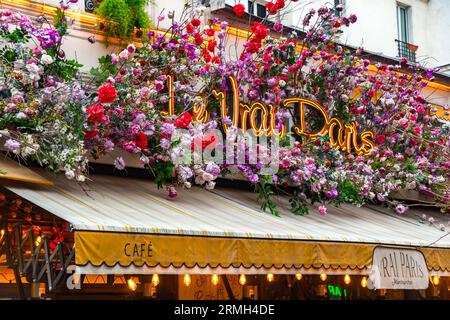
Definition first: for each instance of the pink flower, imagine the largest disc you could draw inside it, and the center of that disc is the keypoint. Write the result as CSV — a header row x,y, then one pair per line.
x,y
172,192
278,27
322,210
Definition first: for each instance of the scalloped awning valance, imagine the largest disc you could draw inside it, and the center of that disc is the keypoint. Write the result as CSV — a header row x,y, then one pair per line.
x,y
124,223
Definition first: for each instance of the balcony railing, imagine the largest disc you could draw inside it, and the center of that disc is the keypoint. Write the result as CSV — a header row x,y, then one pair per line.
x,y
406,50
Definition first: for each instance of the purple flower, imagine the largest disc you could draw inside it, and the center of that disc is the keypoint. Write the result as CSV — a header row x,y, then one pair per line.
x,y
165,144
119,163
12,145
253,178
213,169
400,209
108,145
332,194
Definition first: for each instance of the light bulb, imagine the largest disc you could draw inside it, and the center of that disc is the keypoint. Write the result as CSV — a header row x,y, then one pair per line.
x,y
270,277
298,276
155,279
347,279
38,240
364,282
435,280
242,280
323,277
215,279
187,280
131,284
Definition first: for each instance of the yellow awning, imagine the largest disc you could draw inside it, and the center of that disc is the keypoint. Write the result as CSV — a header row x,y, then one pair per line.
x,y
12,170
125,223
126,249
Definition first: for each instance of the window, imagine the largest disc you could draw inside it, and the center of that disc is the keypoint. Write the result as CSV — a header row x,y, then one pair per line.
x,y
260,9
404,23
404,42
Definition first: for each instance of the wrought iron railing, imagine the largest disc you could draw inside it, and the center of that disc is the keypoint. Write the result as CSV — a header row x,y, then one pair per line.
x,y
406,50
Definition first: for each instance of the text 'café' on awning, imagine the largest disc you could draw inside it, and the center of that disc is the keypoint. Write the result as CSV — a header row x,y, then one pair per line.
x,y
122,236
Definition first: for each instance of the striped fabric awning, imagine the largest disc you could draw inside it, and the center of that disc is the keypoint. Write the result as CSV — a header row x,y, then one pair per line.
x,y
124,223
12,170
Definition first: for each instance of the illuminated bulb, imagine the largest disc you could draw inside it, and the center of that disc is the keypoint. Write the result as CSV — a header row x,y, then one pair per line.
x,y
2,233
215,279
187,280
364,282
131,284
323,277
155,279
242,280
270,277
37,241
298,276
347,279
435,280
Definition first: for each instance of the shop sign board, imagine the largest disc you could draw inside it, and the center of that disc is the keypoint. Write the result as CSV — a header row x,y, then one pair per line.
x,y
398,268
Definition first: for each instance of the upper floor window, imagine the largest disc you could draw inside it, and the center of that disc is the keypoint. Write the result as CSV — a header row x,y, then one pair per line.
x,y
404,23
257,9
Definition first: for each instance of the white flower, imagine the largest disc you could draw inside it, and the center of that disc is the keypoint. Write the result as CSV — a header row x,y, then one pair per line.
x,y
21,115
81,178
210,185
46,59
70,174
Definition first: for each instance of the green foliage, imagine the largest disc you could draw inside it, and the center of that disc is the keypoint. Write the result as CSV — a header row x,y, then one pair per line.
x,y
16,36
163,172
122,16
265,191
104,70
298,203
60,22
349,192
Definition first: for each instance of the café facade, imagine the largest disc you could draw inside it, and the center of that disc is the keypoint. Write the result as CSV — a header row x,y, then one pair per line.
x,y
119,236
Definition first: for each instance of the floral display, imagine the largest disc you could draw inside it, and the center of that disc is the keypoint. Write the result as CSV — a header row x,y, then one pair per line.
x,y
170,100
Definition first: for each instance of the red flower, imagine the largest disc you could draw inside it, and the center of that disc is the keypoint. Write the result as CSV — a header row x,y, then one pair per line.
x,y
198,38
212,45
195,22
281,4
216,60
239,10
107,93
207,56
190,28
271,7
141,140
183,121
91,134
210,32
260,30
96,113
253,46
380,138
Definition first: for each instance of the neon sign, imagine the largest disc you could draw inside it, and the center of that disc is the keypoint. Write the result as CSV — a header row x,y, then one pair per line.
x,y
336,291
343,136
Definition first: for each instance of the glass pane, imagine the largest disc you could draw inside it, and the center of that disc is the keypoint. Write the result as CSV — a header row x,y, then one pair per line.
x,y
261,11
251,8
